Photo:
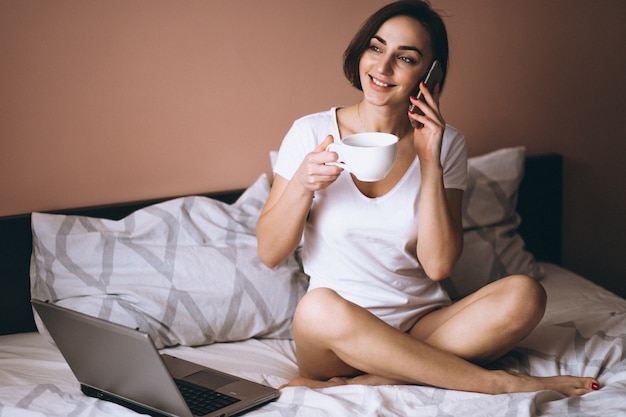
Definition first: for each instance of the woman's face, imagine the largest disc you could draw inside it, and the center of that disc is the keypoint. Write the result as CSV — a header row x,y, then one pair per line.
x,y
398,57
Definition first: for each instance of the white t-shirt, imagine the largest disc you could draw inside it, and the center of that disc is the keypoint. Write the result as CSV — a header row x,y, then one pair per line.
x,y
365,248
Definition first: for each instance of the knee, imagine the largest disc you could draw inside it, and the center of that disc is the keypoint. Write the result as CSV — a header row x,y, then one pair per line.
x,y
525,300
322,312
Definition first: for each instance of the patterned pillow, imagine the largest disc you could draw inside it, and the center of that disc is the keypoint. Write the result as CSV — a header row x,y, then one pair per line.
x,y
185,271
492,248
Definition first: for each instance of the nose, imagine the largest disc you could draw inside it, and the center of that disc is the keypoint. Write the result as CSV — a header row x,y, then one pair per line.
x,y
385,64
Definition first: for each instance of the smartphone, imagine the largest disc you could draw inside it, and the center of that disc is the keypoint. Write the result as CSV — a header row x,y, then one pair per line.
x,y
433,77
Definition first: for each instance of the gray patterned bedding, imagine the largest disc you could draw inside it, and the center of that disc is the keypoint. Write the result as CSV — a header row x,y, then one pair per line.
x,y
185,272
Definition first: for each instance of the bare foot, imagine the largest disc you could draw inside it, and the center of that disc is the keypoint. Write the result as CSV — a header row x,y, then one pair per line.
x,y
314,383
569,386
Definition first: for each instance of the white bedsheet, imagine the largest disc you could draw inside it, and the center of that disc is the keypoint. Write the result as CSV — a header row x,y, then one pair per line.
x,y
583,333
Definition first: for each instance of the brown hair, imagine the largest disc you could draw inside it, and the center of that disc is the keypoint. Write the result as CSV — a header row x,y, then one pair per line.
x,y
419,10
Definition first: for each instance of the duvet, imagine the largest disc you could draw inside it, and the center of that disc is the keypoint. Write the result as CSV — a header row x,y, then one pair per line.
x,y
583,333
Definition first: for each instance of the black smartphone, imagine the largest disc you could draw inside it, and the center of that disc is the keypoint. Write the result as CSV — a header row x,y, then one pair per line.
x,y
433,77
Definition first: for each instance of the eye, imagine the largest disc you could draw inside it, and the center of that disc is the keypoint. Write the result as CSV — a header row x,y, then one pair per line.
x,y
407,60
374,48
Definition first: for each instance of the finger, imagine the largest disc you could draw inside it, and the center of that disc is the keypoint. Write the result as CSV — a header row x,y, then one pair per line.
x,y
430,108
423,103
324,178
430,97
322,147
419,114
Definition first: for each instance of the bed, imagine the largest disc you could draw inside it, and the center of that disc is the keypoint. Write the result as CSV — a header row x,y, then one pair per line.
x,y
118,262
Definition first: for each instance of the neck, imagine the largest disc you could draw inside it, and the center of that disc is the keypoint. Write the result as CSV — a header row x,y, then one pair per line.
x,y
374,119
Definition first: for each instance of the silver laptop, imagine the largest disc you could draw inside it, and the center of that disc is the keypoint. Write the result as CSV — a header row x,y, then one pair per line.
x,y
122,365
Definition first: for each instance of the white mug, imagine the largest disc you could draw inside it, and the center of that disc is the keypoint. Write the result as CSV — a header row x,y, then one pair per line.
x,y
368,156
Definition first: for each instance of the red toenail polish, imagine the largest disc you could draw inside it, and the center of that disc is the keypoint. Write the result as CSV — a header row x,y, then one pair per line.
x,y
595,386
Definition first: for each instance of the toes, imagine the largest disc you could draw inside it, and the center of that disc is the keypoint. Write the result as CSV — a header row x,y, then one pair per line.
x,y
313,383
585,386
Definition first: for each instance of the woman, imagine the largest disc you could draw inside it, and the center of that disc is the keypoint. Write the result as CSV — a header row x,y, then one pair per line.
x,y
375,312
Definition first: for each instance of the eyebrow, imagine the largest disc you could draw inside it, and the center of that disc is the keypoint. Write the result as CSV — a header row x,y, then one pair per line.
x,y
403,48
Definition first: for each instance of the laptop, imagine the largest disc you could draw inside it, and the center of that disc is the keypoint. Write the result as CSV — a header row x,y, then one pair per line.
x,y
122,365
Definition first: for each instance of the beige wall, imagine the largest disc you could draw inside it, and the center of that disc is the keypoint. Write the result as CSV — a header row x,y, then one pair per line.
x,y
114,100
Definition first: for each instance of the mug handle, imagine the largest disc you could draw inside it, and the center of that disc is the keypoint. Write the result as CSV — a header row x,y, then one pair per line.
x,y
334,147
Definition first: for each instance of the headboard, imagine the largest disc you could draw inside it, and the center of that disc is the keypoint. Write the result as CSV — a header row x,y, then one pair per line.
x,y
539,205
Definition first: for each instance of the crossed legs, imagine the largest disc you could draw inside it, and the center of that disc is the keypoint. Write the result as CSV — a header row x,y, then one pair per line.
x,y
338,342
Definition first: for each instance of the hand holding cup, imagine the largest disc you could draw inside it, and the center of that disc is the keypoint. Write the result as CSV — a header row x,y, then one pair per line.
x,y
368,156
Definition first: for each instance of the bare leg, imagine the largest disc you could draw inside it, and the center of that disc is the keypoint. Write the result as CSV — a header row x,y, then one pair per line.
x,y
485,325
337,340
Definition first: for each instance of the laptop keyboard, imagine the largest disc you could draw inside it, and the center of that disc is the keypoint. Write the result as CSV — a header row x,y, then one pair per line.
x,y
202,400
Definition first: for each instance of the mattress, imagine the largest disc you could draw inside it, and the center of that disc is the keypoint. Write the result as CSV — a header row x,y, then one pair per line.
x,y
582,333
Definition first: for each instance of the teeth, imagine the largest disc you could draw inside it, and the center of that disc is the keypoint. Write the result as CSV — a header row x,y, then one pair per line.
x,y
380,83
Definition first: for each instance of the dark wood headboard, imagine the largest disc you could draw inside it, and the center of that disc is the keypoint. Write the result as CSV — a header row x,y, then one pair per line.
x,y
539,204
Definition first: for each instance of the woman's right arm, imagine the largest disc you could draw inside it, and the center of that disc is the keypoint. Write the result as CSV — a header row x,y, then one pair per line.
x,y
280,226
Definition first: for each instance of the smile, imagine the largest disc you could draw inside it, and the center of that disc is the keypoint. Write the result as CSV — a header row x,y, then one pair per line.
x,y
379,83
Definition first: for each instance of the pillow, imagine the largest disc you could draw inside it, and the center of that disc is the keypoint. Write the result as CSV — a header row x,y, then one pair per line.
x,y
492,248
184,271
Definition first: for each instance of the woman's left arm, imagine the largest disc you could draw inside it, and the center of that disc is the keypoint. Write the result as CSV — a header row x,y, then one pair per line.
x,y
440,229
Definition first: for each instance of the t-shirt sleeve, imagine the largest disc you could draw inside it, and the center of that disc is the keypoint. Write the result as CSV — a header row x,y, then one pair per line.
x,y
304,136
293,149
454,155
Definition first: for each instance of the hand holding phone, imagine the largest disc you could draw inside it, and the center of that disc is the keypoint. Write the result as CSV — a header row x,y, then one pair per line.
x,y
433,77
